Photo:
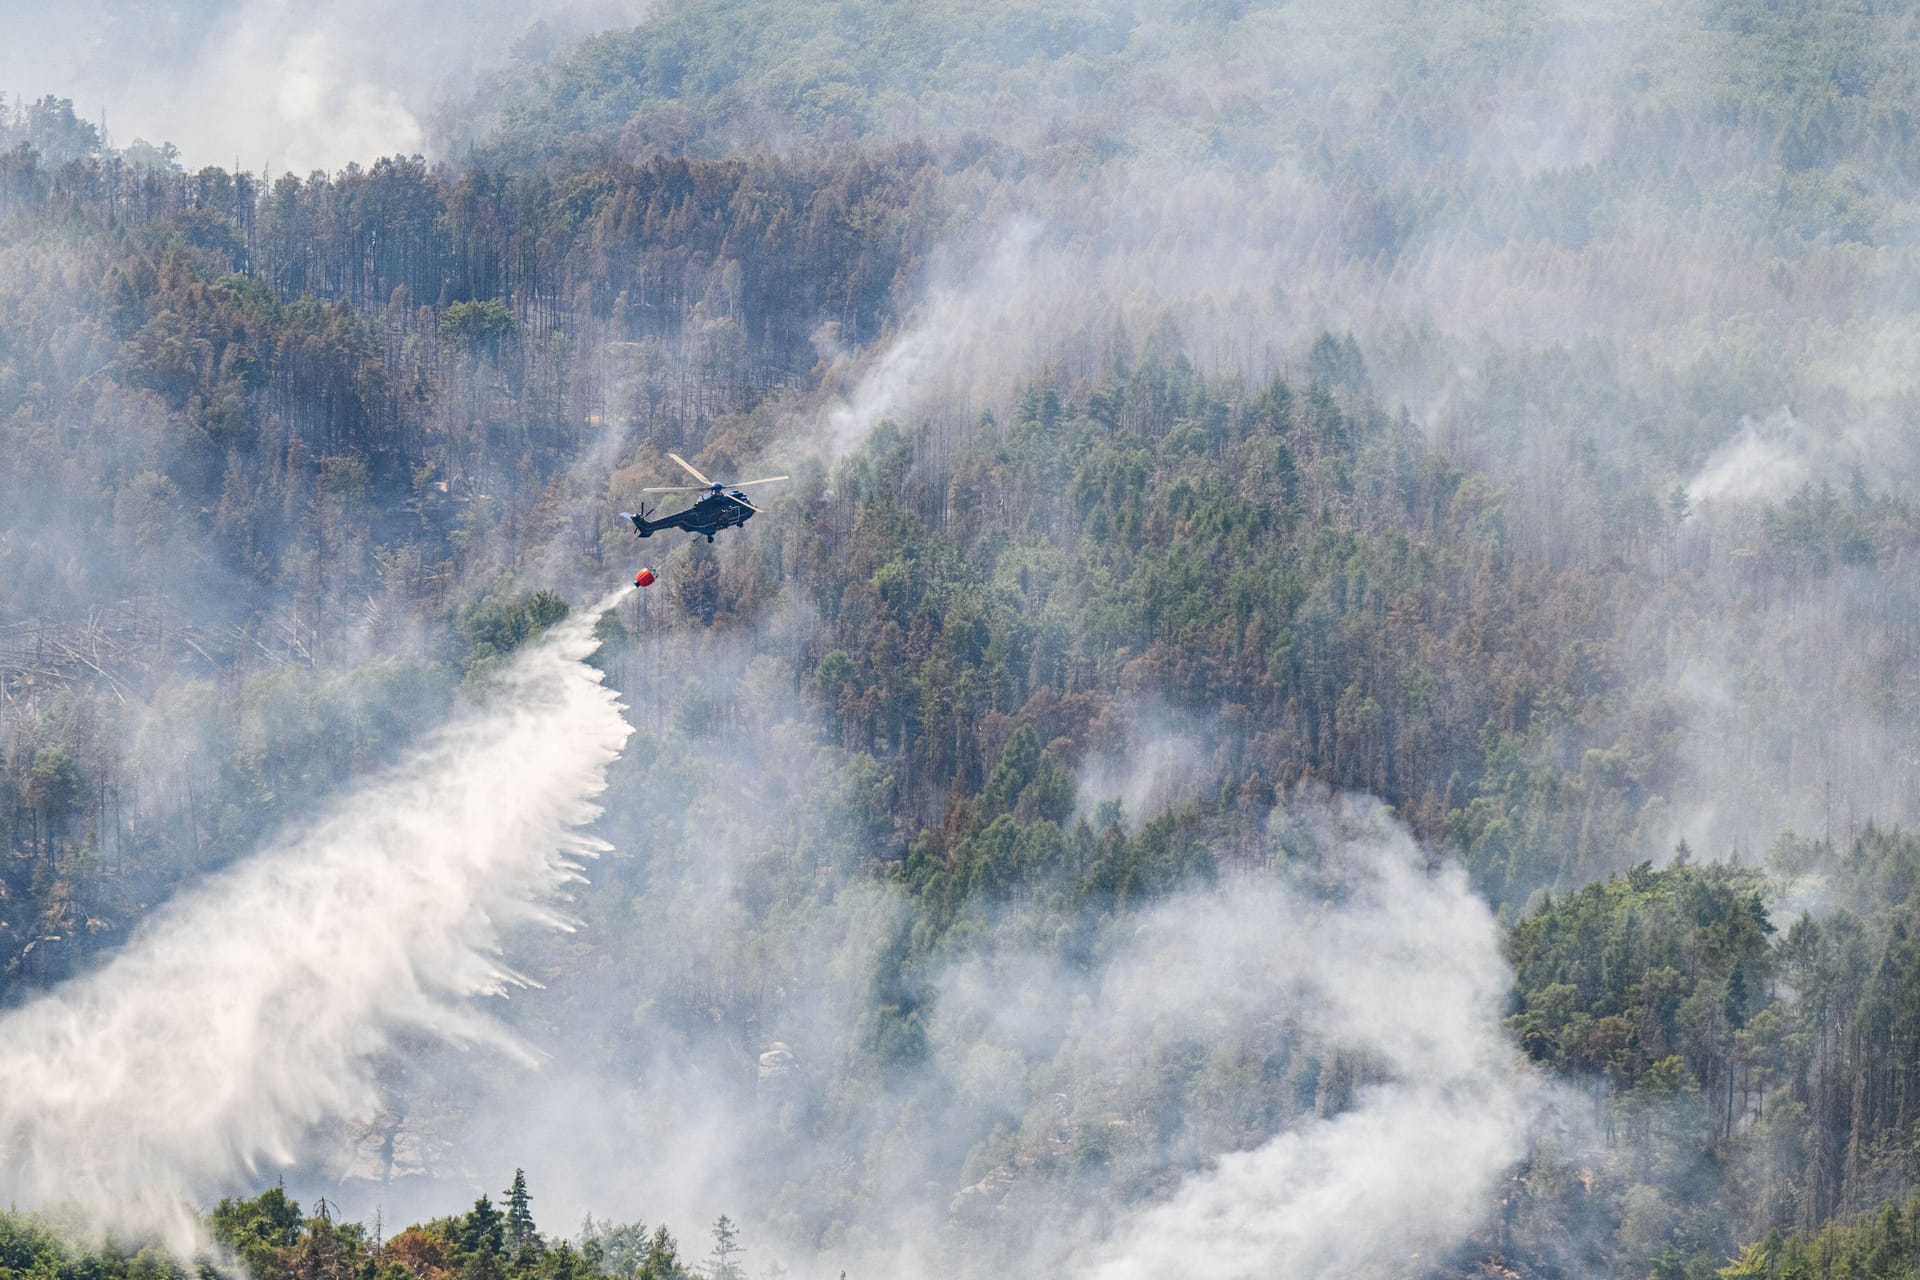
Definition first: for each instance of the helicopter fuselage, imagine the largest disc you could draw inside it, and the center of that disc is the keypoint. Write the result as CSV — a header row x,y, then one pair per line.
x,y
721,505
712,513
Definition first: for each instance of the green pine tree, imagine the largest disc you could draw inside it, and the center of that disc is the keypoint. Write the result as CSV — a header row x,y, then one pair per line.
x,y
663,1259
521,1233
483,1229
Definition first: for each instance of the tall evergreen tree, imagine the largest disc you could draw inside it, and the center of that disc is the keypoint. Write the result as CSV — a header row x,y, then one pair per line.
x,y
521,1233
482,1229
726,1248
663,1258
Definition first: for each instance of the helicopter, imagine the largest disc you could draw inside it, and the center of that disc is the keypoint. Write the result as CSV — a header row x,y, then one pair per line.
x,y
723,506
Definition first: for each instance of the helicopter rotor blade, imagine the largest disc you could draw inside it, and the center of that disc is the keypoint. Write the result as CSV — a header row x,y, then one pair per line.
x,y
675,488
768,480
734,497
690,469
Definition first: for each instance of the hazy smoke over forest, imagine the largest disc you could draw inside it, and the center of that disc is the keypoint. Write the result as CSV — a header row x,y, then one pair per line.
x,y
1249,172
279,86
1477,406
255,1007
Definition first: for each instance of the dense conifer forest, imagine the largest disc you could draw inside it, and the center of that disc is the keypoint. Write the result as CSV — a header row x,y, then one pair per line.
x,y
1236,455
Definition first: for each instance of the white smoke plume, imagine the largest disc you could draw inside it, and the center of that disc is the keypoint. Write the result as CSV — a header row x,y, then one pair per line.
x,y
252,1008
1390,963
1166,764
965,335
1766,461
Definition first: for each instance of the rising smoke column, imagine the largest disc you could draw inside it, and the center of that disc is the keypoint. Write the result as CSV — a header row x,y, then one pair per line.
x,y
1382,958
252,1008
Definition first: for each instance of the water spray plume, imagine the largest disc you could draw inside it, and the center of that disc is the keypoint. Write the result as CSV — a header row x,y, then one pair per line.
x,y
253,1007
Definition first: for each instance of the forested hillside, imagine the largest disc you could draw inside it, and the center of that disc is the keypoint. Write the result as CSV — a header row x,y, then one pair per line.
x,y
1240,457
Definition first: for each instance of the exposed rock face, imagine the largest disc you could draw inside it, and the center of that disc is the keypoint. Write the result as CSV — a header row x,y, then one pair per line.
x,y
973,1203
417,1155
779,1075
367,1153
387,1150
